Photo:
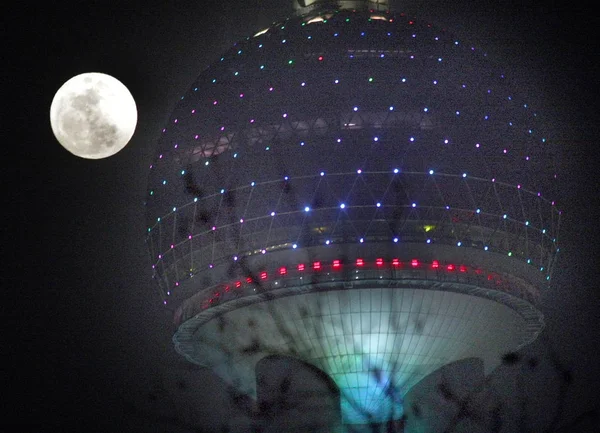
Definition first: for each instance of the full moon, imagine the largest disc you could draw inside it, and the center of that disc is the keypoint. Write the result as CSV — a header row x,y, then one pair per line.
x,y
93,115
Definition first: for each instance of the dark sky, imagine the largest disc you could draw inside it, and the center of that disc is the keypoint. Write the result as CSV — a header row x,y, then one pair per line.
x,y
86,331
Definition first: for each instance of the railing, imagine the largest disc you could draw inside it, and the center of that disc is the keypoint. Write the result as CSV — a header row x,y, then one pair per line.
x,y
375,273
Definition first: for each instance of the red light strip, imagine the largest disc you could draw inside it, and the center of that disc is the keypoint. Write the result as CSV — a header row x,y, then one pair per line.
x,y
336,265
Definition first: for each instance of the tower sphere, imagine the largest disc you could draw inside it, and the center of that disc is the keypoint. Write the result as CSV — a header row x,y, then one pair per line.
x,y
358,190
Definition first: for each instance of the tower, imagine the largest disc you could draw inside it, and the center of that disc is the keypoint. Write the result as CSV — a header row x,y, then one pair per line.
x,y
360,191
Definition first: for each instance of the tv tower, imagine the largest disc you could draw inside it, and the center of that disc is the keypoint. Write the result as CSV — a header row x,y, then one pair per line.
x,y
357,190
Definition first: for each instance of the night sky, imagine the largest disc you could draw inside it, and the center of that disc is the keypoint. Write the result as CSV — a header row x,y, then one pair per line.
x,y
87,337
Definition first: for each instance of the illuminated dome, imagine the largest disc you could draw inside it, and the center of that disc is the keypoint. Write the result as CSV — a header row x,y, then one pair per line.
x,y
358,190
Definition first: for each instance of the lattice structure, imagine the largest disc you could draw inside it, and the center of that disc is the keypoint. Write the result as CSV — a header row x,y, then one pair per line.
x,y
339,130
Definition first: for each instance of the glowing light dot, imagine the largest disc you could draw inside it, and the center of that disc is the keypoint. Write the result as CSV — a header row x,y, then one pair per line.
x,y
343,206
